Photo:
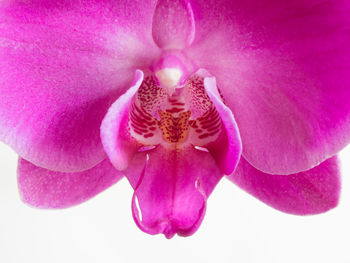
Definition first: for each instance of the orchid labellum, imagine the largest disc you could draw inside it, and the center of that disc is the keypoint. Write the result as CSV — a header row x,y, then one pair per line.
x,y
174,95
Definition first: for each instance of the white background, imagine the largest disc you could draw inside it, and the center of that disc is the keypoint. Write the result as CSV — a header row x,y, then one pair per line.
x,y
237,228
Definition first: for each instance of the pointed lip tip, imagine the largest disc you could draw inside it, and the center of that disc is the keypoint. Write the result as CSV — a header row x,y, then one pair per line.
x,y
169,229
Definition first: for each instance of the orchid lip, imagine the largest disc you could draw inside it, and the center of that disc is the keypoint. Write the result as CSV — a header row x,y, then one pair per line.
x,y
173,148
185,116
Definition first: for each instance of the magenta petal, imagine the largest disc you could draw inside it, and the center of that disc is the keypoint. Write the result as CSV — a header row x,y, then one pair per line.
x,y
227,149
171,189
311,192
284,70
117,141
48,189
62,64
173,24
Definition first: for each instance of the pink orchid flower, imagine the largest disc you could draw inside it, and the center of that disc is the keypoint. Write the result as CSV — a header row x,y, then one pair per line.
x,y
174,95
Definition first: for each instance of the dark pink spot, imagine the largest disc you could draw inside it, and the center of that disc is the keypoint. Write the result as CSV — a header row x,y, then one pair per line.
x,y
148,135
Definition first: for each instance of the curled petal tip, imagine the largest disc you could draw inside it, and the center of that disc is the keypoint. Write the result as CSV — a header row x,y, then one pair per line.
x,y
116,139
227,150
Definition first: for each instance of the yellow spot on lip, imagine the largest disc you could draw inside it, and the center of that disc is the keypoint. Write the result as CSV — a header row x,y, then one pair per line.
x,y
174,129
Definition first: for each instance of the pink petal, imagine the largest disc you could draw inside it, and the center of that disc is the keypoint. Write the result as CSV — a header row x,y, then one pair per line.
x,y
173,24
284,70
227,149
311,192
62,64
171,189
117,141
48,189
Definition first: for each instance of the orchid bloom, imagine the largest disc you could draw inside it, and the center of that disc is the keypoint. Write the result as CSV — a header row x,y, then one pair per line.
x,y
174,95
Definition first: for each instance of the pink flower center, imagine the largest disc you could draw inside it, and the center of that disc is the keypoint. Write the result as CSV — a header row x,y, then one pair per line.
x,y
185,115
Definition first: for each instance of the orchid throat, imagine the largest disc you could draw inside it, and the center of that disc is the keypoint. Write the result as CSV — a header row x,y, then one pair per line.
x,y
169,109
